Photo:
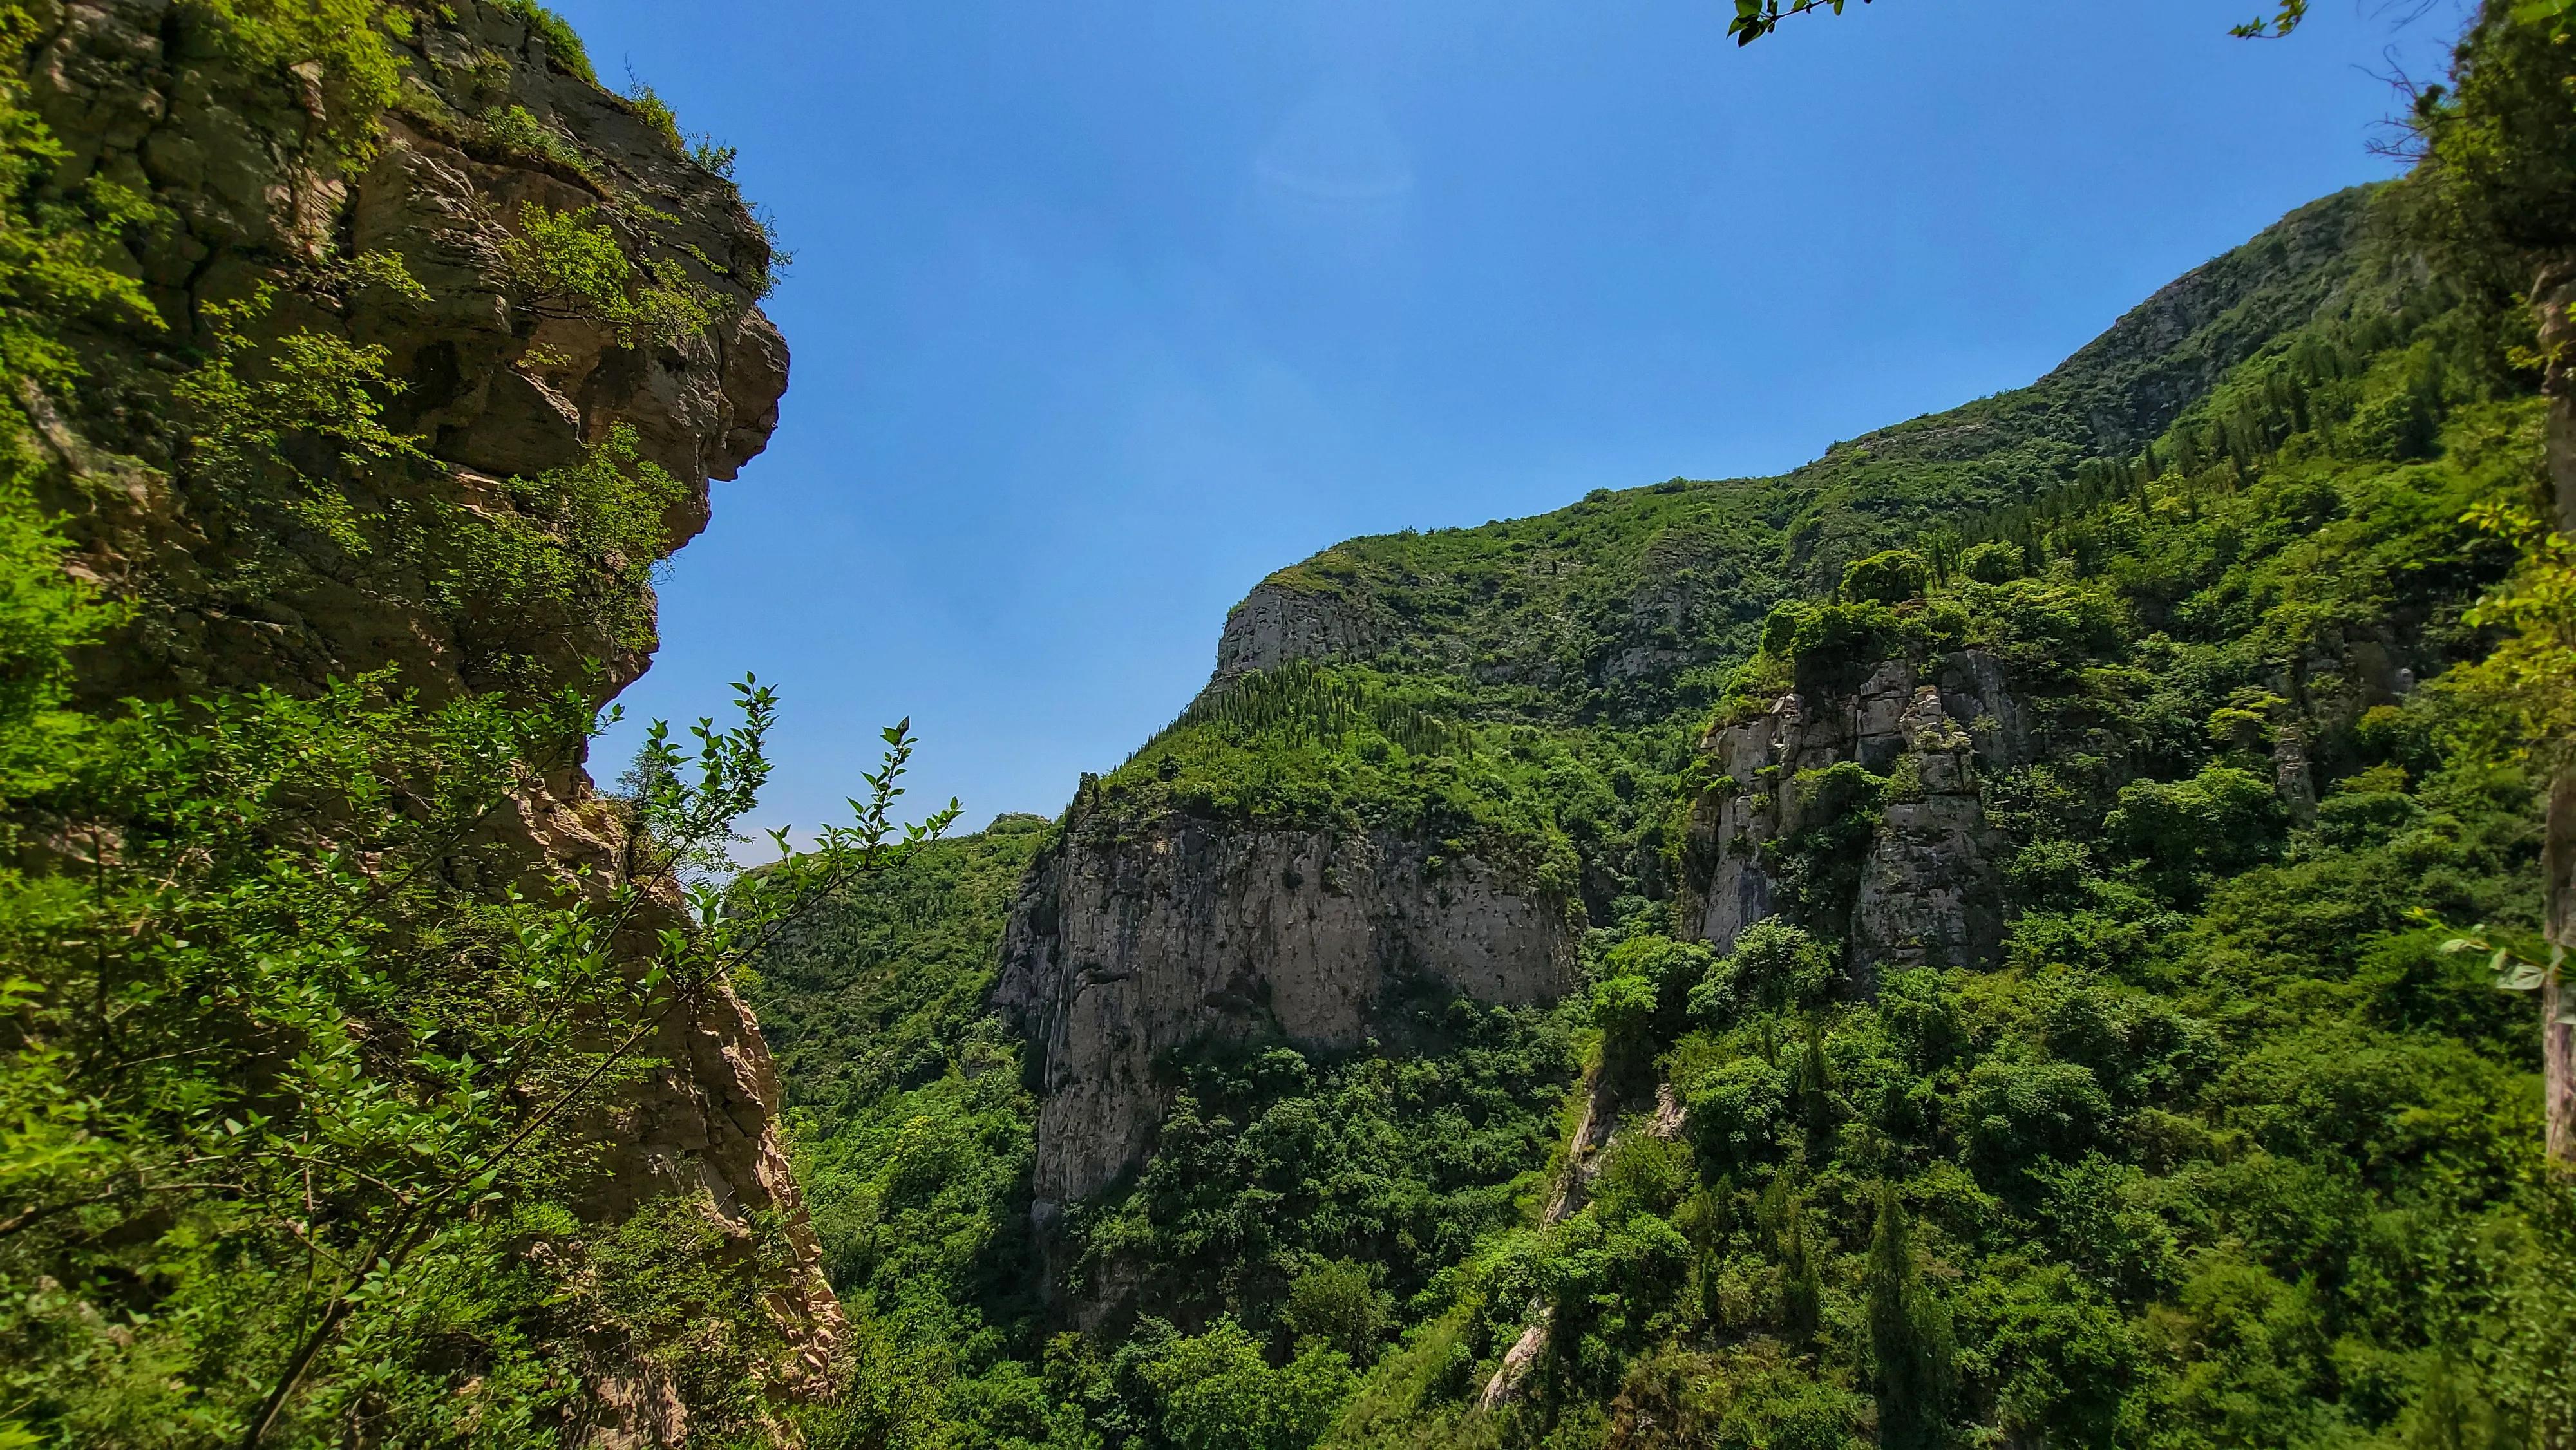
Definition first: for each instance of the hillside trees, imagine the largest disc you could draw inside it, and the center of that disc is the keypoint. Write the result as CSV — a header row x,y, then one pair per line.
x,y
2493,200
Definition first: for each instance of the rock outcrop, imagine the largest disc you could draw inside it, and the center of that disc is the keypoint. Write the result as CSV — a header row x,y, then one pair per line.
x,y
493,379
1279,622
1127,945
1928,889
275,206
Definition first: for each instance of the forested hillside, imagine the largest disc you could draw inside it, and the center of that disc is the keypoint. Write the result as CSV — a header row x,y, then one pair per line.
x,y
1992,938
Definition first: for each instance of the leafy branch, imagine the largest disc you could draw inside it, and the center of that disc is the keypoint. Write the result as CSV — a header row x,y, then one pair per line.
x,y
1755,19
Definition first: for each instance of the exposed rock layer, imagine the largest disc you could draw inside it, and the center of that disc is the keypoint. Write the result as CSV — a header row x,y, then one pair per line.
x,y
147,99
1928,888
146,96
1279,622
1124,947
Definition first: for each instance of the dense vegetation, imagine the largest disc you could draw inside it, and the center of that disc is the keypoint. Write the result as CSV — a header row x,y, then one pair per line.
x,y
309,1069
309,1058
2237,1144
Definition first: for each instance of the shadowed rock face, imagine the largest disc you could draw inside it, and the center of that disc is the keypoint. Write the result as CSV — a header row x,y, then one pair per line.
x,y
1929,891
144,98
1123,947
237,157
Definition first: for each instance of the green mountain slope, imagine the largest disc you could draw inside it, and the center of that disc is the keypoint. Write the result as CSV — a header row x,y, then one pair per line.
x,y
2013,858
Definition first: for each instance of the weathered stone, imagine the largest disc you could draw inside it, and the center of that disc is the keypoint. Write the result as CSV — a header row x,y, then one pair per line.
x,y
1277,623
1929,893
141,95
1126,945
1928,884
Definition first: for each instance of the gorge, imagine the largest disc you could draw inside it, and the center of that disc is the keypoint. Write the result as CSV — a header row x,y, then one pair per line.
x,y
1991,937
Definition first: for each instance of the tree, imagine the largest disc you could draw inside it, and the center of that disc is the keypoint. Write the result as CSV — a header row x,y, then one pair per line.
x,y
1802,1288
1910,1339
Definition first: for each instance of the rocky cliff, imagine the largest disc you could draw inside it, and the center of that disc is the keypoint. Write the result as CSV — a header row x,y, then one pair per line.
x,y
400,205
499,365
1278,622
1927,875
1127,944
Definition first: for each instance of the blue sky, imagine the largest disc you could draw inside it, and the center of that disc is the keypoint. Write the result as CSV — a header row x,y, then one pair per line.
x,y
1102,311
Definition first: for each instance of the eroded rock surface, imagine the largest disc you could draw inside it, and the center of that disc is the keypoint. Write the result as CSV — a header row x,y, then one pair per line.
x,y
494,383
1928,888
1278,622
1127,945
258,201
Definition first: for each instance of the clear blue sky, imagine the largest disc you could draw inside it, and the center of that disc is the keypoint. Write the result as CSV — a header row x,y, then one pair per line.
x,y
1102,310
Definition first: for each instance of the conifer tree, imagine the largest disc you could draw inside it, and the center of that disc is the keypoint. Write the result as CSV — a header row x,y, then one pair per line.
x,y
1816,1087
1910,1339
1802,1289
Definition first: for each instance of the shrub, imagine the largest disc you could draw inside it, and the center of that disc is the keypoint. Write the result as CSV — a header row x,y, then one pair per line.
x,y
2221,819
1218,1393
1992,562
1624,1009
1888,578
1338,1304
2020,1114
563,44
1737,1112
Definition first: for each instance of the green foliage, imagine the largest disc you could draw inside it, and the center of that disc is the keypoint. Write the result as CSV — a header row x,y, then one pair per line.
x,y
307,1062
710,156
1773,966
2202,1164
260,414
1755,19
1219,1394
563,44
2222,819
1267,1166
1891,577
1909,1338
1340,1304
1310,745
572,264
2227,1150
516,131
1992,562
1623,1008
345,41
578,544
288,1074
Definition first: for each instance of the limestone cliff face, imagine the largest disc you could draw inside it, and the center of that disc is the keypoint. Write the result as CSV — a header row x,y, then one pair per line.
x,y
1928,888
1279,622
258,199
1125,945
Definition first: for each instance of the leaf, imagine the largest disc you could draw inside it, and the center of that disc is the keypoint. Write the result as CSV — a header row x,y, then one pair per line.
x,y
2523,977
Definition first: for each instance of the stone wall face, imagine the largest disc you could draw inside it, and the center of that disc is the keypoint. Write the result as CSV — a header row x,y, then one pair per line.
x,y
491,386
1276,623
1123,947
1929,888
255,198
